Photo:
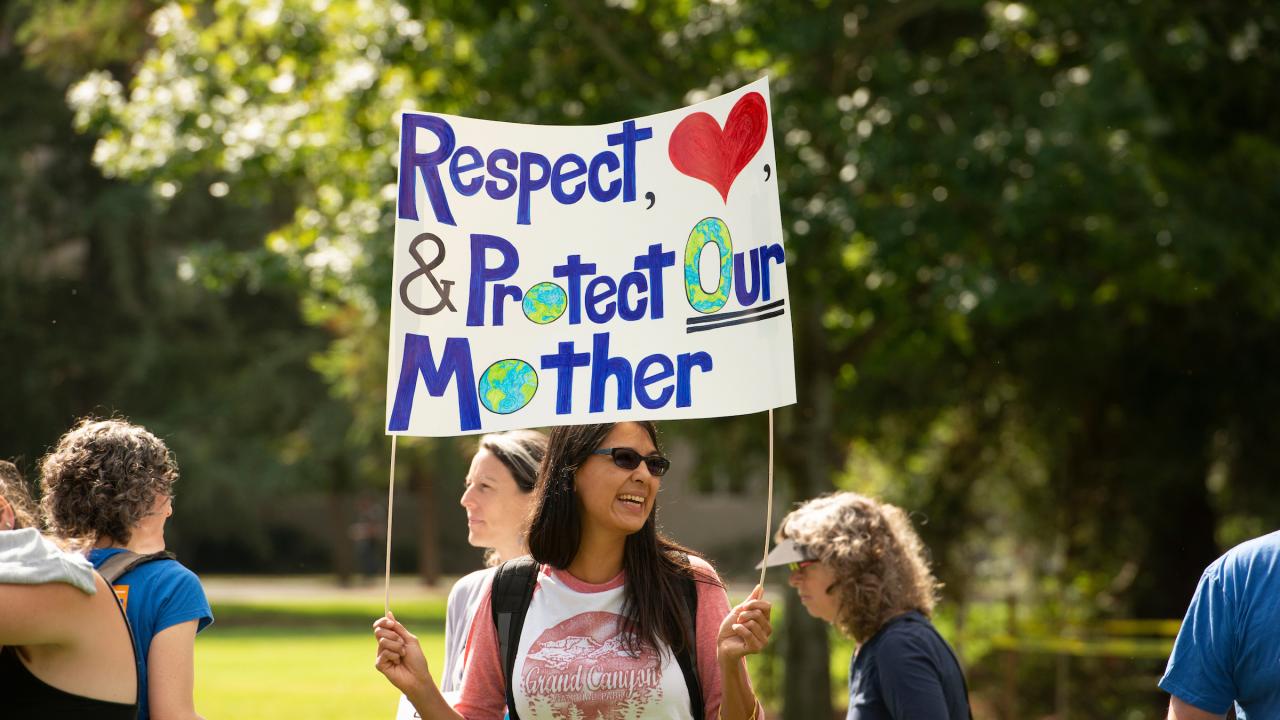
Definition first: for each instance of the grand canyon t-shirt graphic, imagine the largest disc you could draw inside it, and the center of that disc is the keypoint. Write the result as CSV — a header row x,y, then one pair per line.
x,y
573,663
581,669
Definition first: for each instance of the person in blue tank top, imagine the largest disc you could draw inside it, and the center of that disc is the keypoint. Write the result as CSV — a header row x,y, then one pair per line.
x,y
108,486
1228,649
858,564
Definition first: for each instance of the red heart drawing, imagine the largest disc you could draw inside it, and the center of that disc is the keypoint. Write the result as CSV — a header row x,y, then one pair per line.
x,y
700,149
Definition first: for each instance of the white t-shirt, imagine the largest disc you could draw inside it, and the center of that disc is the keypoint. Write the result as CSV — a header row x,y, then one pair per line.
x,y
29,558
573,660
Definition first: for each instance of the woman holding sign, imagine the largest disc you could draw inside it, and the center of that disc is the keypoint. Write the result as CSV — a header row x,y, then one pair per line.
x,y
498,497
613,620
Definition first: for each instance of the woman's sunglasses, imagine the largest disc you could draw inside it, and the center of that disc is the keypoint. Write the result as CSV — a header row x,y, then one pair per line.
x,y
628,459
797,566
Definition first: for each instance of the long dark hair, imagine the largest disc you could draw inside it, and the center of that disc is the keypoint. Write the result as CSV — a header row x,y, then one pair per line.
x,y
656,566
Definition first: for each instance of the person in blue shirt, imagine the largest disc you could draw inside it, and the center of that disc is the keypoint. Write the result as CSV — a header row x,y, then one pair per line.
x,y
108,487
1228,649
858,564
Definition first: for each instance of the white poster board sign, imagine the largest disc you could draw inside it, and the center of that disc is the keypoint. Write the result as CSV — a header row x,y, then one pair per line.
x,y
557,275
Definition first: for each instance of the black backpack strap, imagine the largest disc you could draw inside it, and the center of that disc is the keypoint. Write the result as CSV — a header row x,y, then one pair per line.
x,y
133,641
688,656
513,584
122,562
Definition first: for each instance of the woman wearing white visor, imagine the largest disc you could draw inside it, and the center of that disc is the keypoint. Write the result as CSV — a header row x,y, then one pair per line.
x,y
858,564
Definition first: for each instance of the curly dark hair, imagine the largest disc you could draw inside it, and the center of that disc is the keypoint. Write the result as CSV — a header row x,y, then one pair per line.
x,y
13,488
102,478
878,559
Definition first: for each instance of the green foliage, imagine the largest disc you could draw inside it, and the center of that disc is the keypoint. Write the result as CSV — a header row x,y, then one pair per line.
x,y
1029,250
104,312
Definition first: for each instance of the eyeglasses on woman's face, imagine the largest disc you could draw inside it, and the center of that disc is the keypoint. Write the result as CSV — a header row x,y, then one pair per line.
x,y
798,566
630,459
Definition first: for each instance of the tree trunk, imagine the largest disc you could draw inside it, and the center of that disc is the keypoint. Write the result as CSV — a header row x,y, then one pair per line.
x,y
1180,543
342,558
428,527
807,664
807,452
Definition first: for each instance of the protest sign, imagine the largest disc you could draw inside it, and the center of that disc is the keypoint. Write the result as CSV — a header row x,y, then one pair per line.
x,y
554,275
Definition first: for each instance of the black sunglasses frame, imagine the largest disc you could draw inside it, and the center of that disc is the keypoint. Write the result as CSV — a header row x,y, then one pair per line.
x,y
630,459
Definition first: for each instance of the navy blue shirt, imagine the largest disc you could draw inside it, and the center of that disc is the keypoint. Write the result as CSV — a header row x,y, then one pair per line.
x,y
907,672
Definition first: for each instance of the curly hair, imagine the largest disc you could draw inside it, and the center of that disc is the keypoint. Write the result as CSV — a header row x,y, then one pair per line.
x,y
102,478
878,559
14,489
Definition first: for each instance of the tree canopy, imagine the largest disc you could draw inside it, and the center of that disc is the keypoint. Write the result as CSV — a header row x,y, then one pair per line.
x,y
1037,300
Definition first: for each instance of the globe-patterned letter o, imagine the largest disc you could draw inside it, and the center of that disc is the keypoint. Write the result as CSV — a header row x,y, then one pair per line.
x,y
708,230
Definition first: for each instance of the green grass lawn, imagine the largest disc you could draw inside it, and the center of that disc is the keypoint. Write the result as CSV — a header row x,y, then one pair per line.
x,y
300,659
288,654
312,657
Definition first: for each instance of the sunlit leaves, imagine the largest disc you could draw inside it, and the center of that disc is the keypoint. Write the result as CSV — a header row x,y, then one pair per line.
x,y
976,195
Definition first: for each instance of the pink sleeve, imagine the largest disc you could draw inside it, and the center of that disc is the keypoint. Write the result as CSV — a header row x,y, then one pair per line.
x,y
484,691
713,606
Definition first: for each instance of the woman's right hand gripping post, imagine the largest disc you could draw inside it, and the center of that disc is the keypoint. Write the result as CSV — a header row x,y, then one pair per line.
x,y
400,656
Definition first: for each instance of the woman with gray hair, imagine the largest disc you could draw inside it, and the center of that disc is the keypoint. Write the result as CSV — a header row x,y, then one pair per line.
x,y
857,563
